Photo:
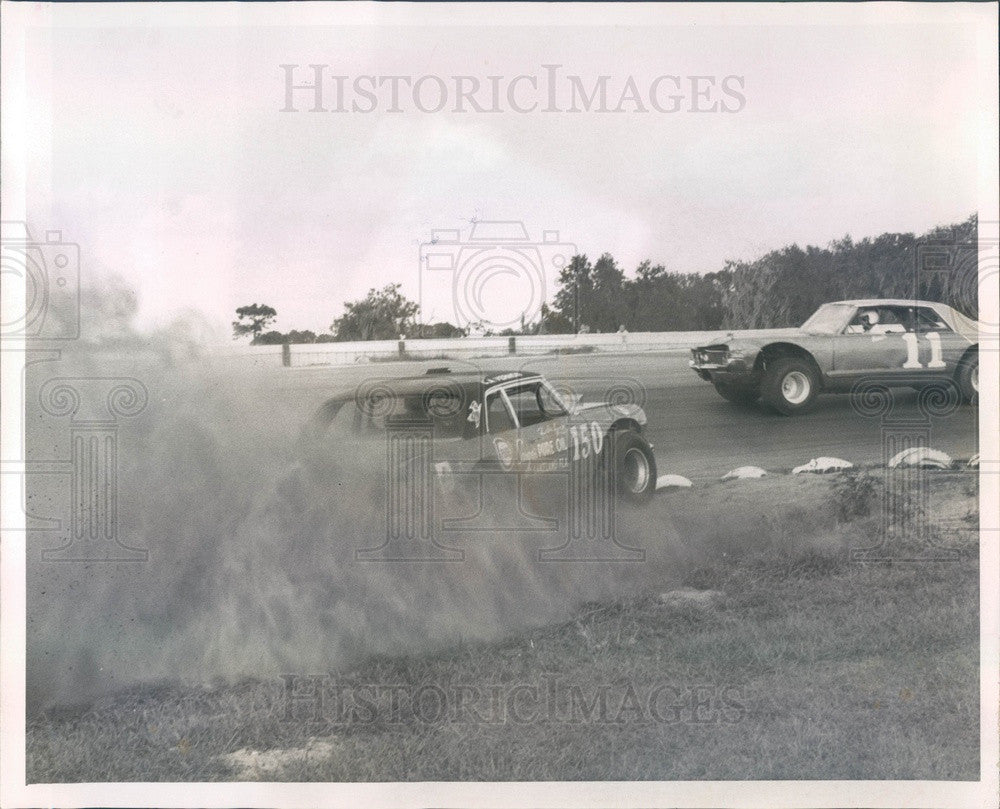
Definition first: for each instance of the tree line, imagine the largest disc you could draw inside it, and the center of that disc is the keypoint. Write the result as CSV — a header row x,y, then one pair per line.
x,y
781,288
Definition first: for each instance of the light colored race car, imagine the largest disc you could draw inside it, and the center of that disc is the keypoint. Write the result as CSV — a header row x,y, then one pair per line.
x,y
897,342
503,422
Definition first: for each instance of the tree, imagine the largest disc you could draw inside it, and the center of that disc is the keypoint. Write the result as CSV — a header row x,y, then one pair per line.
x,y
553,322
779,289
435,330
383,314
785,286
608,311
653,299
590,296
961,286
252,320
574,299
270,338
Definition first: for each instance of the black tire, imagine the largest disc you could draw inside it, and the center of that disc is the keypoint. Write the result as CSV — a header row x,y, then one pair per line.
x,y
635,466
968,379
791,385
737,394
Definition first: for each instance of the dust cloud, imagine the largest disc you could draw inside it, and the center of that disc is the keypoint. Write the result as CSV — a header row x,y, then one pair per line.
x,y
231,544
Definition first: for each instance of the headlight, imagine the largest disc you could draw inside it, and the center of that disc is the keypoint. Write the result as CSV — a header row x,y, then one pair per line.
x,y
735,354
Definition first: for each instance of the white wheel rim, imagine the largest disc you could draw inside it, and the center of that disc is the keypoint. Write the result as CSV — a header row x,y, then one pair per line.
x,y
974,379
795,387
636,469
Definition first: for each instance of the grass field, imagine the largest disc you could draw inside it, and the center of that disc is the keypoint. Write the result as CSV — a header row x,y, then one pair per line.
x,y
800,664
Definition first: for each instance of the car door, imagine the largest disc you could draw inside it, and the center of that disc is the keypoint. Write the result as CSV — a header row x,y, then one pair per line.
x,y
500,439
937,347
881,347
539,440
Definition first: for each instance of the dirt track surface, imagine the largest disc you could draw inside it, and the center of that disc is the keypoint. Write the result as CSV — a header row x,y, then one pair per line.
x,y
695,432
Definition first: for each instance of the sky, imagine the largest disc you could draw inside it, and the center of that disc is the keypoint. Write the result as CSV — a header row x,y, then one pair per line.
x,y
163,151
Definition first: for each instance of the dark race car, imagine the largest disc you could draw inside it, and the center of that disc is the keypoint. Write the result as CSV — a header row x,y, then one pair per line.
x,y
481,423
895,342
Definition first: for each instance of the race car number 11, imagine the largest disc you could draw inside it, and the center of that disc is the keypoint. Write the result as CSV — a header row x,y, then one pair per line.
x,y
584,437
913,351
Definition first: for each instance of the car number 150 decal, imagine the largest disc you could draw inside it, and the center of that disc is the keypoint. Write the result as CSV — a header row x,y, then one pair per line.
x,y
913,351
586,438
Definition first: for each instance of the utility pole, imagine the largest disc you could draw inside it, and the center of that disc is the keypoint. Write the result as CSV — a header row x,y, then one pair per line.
x,y
576,302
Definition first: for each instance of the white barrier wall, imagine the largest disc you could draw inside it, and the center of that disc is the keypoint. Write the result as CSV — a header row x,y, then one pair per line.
x,y
318,354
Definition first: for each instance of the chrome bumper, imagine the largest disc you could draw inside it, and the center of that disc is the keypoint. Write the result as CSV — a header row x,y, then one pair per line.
x,y
707,366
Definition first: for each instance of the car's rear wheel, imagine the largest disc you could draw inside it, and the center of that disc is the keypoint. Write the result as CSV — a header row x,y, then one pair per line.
x,y
635,466
968,379
790,385
737,394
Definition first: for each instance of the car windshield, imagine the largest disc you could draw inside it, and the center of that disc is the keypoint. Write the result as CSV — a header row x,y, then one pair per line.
x,y
534,403
830,318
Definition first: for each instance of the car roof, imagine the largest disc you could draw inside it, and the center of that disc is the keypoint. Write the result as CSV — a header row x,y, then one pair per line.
x,y
890,302
963,324
442,377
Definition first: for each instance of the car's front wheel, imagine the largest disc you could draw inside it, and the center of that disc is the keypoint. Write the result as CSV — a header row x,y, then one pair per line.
x,y
790,385
635,466
737,394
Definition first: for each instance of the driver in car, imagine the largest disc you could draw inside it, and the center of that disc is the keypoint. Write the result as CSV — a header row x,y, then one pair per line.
x,y
872,321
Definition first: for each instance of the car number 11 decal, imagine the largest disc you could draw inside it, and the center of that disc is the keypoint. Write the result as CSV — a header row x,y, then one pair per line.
x,y
585,437
913,351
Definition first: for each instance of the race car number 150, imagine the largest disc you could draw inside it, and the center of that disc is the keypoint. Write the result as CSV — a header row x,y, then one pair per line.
x,y
586,438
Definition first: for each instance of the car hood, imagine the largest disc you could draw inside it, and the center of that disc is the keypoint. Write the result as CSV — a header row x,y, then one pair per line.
x,y
745,338
608,412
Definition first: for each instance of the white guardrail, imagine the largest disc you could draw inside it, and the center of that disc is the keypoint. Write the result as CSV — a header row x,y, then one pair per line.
x,y
301,355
